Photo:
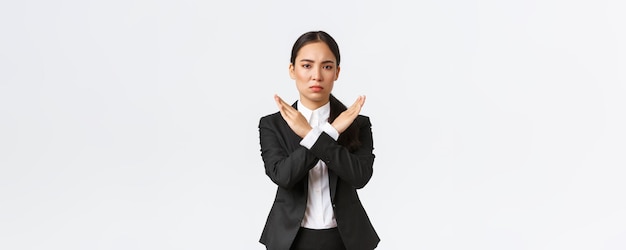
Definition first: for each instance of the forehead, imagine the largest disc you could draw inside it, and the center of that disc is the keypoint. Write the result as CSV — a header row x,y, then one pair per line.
x,y
315,51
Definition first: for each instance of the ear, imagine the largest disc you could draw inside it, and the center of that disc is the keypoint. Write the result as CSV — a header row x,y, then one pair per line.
x,y
337,73
292,72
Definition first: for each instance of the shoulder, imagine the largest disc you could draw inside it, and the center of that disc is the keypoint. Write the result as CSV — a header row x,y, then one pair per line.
x,y
274,118
271,116
363,121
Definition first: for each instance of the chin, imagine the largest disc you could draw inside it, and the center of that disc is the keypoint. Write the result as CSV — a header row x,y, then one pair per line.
x,y
319,96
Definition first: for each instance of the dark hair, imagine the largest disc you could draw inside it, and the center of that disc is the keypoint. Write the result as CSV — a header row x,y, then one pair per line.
x,y
350,137
315,36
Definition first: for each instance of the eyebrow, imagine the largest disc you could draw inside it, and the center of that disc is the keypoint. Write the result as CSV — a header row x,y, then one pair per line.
x,y
309,60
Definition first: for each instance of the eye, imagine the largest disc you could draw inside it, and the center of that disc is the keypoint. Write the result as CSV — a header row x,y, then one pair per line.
x,y
329,67
306,66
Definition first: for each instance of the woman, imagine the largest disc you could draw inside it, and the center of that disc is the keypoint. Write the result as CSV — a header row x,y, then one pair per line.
x,y
318,152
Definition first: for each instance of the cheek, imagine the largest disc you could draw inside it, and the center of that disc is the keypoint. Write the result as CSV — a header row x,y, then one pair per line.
x,y
332,75
301,78
303,75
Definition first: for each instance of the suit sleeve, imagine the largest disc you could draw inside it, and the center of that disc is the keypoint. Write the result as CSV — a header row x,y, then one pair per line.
x,y
283,167
355,168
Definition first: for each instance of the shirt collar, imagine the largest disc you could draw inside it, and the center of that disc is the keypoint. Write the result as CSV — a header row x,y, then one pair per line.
x,y
323,111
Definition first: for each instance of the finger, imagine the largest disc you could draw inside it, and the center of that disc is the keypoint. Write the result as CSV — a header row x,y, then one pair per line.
x,y
360,101
286,111
282,105
357,102
277,100
355,109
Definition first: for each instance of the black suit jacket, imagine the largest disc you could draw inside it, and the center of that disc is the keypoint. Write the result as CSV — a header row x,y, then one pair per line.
x,y
287,164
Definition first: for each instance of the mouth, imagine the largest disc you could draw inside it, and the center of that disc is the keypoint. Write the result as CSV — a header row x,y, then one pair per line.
x,y
316,88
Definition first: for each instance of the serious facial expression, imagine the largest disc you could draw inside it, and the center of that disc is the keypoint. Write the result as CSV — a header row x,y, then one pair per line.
x,y
315,71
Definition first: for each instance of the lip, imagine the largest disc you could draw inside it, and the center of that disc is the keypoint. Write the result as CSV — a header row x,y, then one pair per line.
x,y
316,88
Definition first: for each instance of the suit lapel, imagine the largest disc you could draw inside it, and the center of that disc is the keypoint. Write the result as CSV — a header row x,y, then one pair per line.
x,y
332,182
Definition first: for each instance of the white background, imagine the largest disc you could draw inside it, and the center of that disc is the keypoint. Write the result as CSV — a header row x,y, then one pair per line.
x,y
133,124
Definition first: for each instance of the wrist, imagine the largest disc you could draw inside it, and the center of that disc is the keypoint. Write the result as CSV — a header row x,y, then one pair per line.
x,y
339,129
305,132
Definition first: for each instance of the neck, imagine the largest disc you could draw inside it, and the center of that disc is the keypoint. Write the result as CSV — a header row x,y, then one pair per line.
x,y
313,105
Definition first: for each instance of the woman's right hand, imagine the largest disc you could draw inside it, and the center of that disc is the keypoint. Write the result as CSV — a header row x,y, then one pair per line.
x,y
343,121
294,118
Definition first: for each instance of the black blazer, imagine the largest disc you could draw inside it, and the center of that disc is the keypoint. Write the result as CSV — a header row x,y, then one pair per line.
x,y
287,164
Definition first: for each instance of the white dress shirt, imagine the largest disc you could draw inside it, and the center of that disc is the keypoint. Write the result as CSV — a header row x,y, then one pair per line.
x,y
319,210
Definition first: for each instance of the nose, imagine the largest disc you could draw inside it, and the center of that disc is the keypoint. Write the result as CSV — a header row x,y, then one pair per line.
x,y
317,74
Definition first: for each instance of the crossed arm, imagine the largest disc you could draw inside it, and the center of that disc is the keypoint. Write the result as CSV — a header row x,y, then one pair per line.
x,y
301,127
286,169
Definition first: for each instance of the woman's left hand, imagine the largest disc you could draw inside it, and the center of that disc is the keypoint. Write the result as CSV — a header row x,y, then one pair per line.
x,y
343,121
294,118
